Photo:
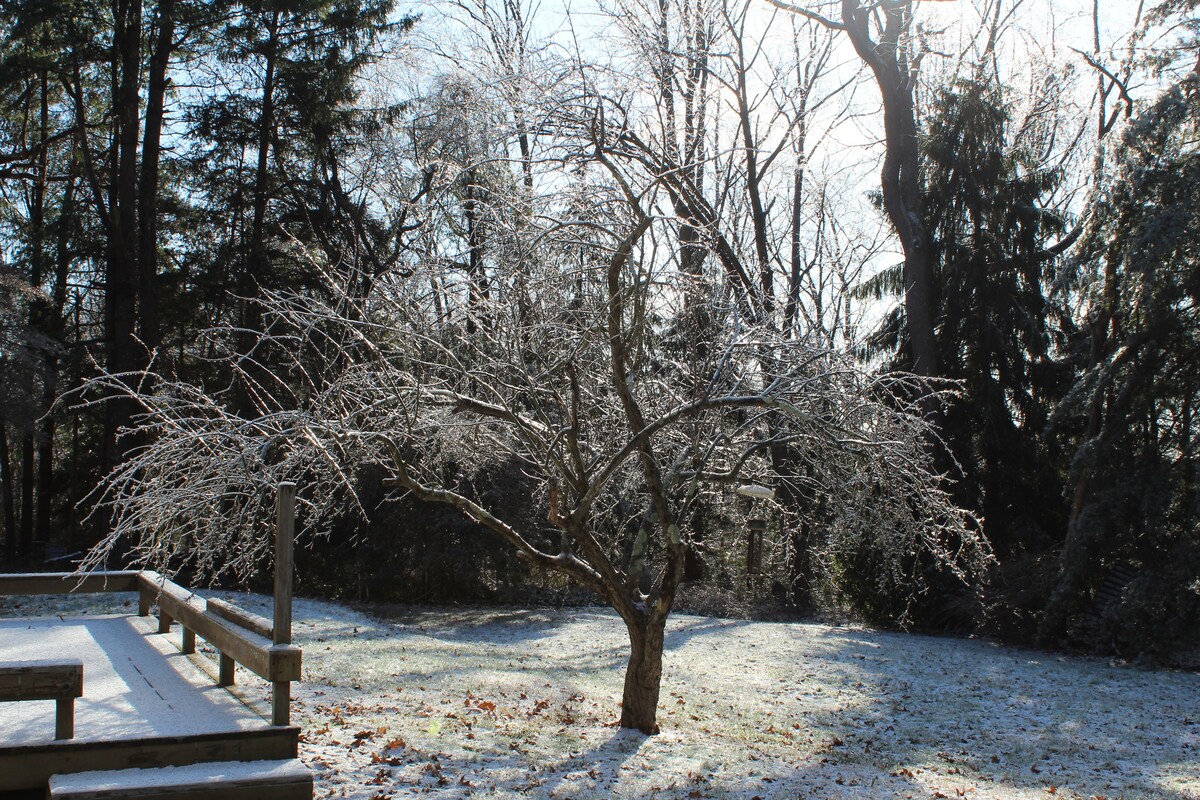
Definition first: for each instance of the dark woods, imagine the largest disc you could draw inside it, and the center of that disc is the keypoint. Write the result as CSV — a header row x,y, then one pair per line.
x,y
257,222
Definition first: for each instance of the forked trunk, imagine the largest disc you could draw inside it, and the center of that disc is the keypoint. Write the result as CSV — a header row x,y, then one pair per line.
x,y
643,677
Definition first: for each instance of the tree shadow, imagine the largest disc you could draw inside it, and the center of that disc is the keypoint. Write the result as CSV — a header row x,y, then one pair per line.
x,y
682,629
1022,720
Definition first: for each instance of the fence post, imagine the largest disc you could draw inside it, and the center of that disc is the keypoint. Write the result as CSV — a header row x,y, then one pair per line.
x,y
285,535
226,665
188,645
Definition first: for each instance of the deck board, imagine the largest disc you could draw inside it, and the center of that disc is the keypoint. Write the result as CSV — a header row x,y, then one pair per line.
x,y
136,683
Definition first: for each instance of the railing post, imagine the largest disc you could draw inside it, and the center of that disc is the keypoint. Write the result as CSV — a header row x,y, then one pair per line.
x,y
225,670
285,535
64,718
188,645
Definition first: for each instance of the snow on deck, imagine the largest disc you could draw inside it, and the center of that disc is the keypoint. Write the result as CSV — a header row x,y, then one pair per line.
x,y
135,683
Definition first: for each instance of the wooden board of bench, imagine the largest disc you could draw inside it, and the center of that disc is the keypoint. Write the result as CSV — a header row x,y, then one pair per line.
x,y
237,780
27,767
57,680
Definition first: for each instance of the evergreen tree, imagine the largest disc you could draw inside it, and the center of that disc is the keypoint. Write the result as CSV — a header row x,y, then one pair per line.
x,y
985,209
1132,411
990,233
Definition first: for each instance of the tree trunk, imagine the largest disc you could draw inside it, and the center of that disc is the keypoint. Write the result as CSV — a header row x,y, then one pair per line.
x,y
256,269
37,311
792,308
900,177
477,299
643,676
148,300
120,280
25,545
6,496
45,454
46,318
754,190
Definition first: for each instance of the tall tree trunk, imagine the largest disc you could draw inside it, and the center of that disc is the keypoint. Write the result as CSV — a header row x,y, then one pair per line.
x,y
37,311
257,267
148,299
477,315
6,495
25,544
259,259
78,536
754,189
900,177
792,307
50,378
45,317
120,296
45,451
806,79
643,675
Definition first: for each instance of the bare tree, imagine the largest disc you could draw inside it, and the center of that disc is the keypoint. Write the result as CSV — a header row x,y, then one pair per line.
x,y
880,33
585,373
578,393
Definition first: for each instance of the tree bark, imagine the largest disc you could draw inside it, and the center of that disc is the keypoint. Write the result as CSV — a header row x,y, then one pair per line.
x,y
56,329
643,675
25,545
148,300
796,245
477,314
900,176
258,260
6,495
120,284
37,310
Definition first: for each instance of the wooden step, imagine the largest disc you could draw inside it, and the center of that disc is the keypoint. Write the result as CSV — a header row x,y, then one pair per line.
x,y
221,780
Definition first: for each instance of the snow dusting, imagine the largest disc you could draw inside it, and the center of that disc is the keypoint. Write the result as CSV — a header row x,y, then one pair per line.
x,y
135,683
507,704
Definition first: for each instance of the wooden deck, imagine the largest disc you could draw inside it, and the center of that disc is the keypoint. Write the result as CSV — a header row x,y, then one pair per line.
x,y
136,682
144,703
147,702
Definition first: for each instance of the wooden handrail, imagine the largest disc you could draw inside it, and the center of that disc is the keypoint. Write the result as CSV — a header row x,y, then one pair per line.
x,y
241,617
260,645
20,583
274,662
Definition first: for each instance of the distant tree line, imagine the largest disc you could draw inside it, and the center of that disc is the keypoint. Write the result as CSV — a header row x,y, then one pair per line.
x,y
228,225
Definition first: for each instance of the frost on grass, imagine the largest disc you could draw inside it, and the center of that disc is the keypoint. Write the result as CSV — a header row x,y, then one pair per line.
x,y
524,704
459,704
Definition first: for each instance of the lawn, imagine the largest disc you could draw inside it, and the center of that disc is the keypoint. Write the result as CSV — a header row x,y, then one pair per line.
x,y
487,703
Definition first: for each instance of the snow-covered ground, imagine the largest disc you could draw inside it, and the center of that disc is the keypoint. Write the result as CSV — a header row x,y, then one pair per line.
x,y
486,703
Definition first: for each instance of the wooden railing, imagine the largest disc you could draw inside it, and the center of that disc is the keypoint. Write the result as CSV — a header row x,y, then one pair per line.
x,y
240,637
278,663
59,680
68,582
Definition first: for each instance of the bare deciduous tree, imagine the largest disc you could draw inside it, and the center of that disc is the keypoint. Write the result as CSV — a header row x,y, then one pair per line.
x,y
578,393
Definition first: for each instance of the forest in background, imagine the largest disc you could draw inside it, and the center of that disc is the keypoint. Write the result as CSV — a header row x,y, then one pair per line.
x,y
225,222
